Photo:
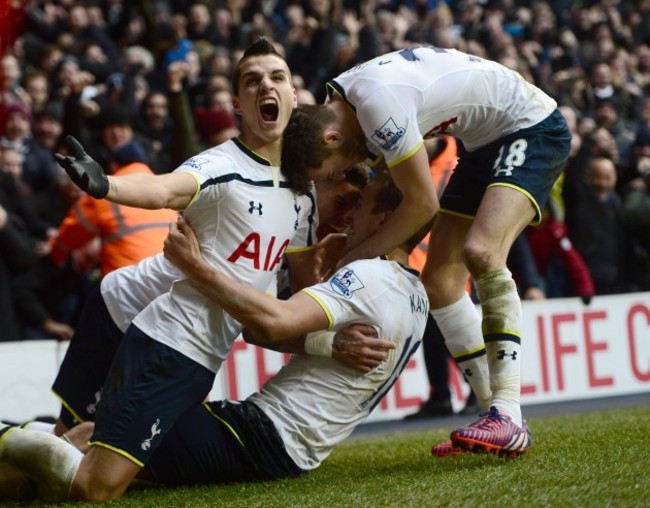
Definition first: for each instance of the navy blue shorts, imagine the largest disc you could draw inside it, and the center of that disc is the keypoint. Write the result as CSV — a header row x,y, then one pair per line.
x,y
148,387
222,442
530,160
87,361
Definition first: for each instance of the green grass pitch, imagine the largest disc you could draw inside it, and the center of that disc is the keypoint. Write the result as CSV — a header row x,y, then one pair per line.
x,y
587,460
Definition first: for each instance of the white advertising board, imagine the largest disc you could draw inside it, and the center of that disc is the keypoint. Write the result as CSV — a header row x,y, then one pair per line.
x,y
569,352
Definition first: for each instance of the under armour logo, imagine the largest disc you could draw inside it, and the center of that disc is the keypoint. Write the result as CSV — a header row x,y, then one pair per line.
x,y
501,354
468,373
146,444
254,206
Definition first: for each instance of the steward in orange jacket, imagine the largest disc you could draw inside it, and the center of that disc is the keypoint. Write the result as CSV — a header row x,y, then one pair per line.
x,y
127,234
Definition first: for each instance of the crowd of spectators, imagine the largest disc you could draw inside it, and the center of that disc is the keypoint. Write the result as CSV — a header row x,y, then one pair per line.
x,y
155,76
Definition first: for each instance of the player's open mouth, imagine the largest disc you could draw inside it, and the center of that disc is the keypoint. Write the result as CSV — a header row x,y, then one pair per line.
x,y
269,110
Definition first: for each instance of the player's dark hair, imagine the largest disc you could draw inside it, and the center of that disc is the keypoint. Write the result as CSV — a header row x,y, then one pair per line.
x,y
388,197
261,47
302,144
358,175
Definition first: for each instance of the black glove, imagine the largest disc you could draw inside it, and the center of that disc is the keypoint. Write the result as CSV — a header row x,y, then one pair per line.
x,y
83,170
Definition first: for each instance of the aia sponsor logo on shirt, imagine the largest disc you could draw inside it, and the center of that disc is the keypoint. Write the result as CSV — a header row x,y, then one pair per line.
x,y
346,282
388,135
441,128
254,249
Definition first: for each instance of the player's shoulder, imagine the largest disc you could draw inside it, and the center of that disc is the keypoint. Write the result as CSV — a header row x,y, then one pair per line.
x,y
373,269
207,158
376,276
224,159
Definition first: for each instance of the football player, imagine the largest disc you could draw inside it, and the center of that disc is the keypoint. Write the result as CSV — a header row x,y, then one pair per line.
x,y
292,424
513,145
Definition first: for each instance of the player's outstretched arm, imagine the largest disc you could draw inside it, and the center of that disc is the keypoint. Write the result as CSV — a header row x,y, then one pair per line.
x,y
142,190
265,316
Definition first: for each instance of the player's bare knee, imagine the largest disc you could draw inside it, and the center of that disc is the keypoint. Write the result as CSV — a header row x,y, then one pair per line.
x,y
444,286
102,476
478,258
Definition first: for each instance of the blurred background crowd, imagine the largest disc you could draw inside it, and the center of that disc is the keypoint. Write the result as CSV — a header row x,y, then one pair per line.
x,y
146,84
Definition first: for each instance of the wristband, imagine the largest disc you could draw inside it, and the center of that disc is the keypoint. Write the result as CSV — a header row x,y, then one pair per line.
x,y
319,343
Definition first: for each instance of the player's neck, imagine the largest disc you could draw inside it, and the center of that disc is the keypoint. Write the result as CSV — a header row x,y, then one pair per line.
x,y
399,255
269,150
348,124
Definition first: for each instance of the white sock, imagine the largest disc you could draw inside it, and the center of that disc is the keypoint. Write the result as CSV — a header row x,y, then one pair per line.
x,y
460,324
501,326
48,428
47,459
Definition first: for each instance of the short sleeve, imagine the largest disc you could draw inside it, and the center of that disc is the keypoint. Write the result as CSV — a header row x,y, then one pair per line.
x,y
349,295
390,123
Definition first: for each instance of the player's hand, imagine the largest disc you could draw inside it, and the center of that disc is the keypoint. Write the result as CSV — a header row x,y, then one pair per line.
x,y
181,247
359,346
82,169
328,251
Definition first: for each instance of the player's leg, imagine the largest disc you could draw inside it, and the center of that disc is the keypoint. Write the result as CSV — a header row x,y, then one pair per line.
x,y
42,464
87,360
52,463
103,474
526,164
445,277
221,442
503,214
59,471
148,387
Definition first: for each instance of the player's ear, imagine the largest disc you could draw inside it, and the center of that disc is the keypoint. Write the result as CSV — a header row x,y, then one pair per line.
x,y
332,137
235,105
385,217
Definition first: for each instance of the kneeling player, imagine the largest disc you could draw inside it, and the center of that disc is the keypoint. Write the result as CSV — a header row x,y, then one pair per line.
x,y
293,423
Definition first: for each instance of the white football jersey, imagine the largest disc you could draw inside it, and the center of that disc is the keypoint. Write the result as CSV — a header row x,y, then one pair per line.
x,y
315,402
245,217
405,96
